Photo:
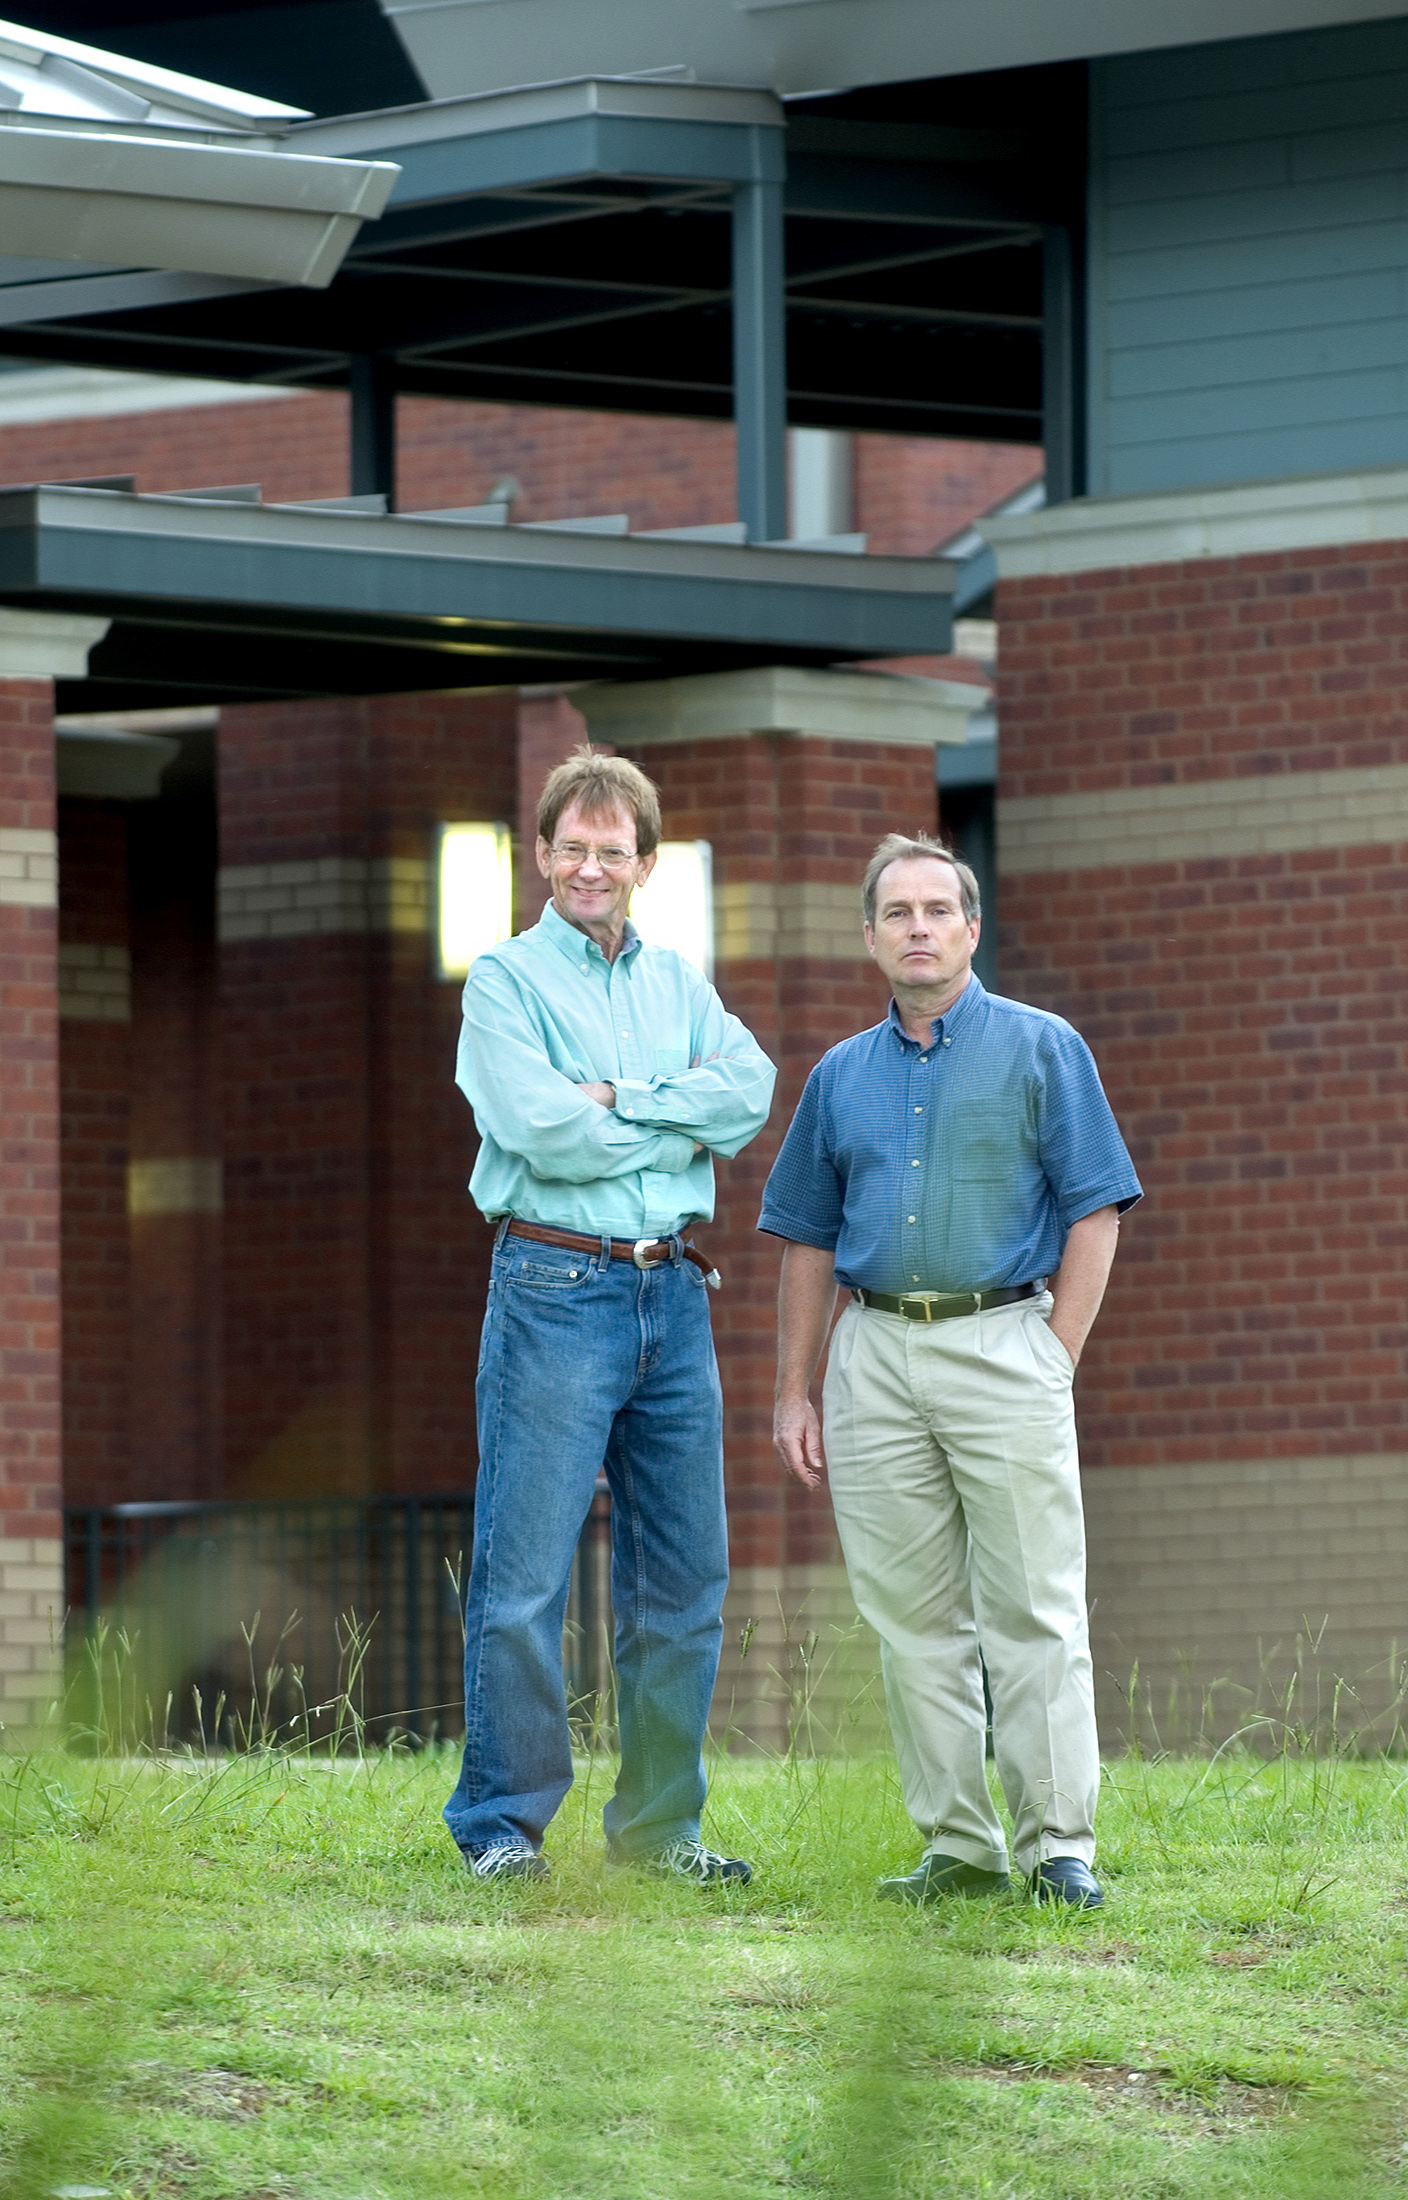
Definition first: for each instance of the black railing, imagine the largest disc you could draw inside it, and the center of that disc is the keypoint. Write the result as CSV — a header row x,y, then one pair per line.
x,y
301,1620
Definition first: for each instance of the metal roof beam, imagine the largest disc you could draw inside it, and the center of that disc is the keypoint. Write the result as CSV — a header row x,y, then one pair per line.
x,y
510,213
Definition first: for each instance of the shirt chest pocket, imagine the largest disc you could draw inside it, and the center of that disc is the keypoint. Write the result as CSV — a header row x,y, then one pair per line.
x,y
982,1160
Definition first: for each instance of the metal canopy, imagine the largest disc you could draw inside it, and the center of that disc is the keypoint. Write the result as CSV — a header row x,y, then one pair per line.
x,y
216,600
579,245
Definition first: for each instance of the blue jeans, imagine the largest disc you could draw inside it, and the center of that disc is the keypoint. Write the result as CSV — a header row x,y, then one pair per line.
x,y
590,1363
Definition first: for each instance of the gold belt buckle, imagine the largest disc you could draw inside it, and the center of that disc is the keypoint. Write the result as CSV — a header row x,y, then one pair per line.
x,y
922,1298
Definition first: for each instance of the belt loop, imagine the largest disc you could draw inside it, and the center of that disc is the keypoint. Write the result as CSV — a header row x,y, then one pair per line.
x,y
501,1231
676,1249
605,1256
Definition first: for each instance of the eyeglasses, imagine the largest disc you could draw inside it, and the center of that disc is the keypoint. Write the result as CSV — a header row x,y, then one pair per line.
x,y
575,852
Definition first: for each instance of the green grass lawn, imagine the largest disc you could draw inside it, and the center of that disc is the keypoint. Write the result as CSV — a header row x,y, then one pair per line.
x,y
269,1976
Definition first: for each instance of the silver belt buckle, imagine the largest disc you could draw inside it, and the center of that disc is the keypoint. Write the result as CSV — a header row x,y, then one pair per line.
x,y
638,1254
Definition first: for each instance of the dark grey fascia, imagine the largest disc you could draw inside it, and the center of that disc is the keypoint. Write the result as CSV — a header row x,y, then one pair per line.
x,y
546,133
224,601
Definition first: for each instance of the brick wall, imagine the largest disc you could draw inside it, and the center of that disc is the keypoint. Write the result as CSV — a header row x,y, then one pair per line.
x,y
1247,1009
781,814
176,1186
354,1268
30,1405
95,1063
910,492
1203,840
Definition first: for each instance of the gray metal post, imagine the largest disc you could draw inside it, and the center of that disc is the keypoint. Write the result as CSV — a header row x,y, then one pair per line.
x,y
1062,366
373,436
760,359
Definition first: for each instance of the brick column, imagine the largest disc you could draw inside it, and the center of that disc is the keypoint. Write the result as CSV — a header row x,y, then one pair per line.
x,y
95,1067
355,1265
1203,848
175,1191
791,777
34,649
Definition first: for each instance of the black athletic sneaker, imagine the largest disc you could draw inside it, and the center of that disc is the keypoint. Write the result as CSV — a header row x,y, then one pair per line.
x,y
691,1860
507,1860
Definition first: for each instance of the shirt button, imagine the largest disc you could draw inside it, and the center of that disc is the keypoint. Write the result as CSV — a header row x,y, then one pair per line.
x,y
916,1279
914,1218
919,1111
914,1164
948,1042
630,1111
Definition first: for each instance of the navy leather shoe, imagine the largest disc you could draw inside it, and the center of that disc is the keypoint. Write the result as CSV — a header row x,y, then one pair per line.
x,y
940,1875
1066,1879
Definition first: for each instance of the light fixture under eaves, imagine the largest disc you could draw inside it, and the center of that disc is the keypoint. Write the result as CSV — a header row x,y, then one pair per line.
x,y
474,894
675,907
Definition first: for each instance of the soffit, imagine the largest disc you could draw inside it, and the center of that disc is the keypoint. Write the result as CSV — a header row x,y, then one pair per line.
x,y
800,47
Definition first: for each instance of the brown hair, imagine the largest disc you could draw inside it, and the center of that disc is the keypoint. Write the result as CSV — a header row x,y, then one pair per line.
x,y
597,785
901,848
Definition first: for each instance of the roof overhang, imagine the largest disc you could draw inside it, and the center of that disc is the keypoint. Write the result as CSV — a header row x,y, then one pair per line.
x,y
214,601
99,195
111,162
815,46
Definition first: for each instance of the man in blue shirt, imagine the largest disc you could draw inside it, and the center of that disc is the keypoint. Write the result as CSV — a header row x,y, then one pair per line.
x,y
939,1167
603,1075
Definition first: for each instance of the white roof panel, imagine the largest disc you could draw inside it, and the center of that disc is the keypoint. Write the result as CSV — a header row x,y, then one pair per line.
x,y
44,75
800,46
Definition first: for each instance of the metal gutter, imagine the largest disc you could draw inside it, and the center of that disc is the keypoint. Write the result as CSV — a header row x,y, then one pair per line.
x,y
222,209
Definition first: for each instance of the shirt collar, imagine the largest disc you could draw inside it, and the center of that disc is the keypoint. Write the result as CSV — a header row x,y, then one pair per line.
x,y
575,945
942,1027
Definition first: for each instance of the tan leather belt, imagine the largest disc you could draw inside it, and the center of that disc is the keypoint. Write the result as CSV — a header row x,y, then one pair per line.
x,y
645,1252
946,1306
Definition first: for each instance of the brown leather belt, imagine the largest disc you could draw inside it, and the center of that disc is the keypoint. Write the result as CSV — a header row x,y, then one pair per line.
x,y
645,1252
946,1306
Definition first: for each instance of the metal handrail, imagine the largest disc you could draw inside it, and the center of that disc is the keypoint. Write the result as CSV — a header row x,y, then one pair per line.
x,y
186,1577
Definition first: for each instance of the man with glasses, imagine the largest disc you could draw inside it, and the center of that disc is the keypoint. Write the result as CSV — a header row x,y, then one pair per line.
x,y
603,1075
940,1166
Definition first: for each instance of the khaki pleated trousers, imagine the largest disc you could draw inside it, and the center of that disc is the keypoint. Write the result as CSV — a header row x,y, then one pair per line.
x,y
951,1453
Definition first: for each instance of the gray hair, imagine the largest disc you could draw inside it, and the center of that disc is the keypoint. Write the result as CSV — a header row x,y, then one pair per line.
x,y
902,848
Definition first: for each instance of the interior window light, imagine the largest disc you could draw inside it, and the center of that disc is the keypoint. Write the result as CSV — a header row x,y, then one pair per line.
x,y
474,876
675,907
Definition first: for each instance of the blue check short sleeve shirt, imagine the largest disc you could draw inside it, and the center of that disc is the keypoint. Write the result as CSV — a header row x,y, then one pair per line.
x,y
956,1166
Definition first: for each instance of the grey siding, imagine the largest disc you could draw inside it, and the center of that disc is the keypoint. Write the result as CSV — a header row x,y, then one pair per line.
x,y
1249,259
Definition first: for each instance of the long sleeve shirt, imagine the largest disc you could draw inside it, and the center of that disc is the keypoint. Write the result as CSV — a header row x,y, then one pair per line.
x,y
956,1165
546,1013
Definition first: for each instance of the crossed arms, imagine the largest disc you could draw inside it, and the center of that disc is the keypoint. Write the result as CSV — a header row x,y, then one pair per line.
x,y
564,1127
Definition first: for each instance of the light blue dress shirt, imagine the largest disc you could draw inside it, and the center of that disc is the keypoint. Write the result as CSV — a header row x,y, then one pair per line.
x,y
545,1013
